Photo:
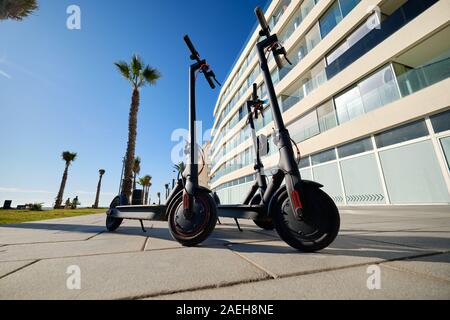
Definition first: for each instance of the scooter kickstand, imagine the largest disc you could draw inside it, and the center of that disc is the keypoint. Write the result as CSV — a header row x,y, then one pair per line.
x,y
218,220
238,225
142,226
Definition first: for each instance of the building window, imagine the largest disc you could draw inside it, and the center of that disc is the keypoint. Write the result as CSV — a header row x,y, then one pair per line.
x,y
335,14
445,142
347,6
330,19
352,39
305,127
349,105
327,116
404,133
371,93
323,157
379,89
356,147
441,121
304,163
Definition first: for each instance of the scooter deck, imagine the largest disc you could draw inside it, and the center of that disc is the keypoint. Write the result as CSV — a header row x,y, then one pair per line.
x,y
241,211
154,212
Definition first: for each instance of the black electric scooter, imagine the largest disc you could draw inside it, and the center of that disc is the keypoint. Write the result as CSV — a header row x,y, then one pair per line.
x,y
190,209
305,217
255,109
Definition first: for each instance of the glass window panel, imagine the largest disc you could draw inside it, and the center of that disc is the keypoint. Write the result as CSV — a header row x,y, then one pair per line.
x,y
401,134
328,175
441,121
379,89
304,128
330,19
349,105
445,142
348,5
323,157
355,148
362,182
306,174
313,37
304,162
327,116
413,174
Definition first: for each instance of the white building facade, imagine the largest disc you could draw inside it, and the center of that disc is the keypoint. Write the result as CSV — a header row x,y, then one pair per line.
x,y
367,100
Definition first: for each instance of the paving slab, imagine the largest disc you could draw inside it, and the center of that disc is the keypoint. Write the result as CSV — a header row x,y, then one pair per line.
x,y
437,241
279,259
437,266
69,249
344,284
9,267
130,275
67,229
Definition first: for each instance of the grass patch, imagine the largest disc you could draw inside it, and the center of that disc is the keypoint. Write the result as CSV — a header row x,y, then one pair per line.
x,y
19,216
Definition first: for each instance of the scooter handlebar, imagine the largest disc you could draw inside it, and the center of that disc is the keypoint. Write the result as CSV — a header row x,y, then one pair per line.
x,y
205,69
266,32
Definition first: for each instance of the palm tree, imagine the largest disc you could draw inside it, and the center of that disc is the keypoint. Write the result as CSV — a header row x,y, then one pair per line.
x,y
167,190
138,76
68,157
99,185
136,168
16,9
180,167
148,184
158,194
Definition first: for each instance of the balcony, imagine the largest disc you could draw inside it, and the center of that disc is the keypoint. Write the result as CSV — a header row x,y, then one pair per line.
x,y
394,22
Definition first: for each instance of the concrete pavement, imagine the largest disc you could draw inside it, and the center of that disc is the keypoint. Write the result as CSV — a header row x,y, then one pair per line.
x,y
409,247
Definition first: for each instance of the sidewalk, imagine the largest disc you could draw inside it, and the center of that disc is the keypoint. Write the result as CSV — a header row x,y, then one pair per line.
x,y
410,245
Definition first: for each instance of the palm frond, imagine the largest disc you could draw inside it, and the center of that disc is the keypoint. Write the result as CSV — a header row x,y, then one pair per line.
x,y
136,165
136,65
151,75
17,9
68,156
124,69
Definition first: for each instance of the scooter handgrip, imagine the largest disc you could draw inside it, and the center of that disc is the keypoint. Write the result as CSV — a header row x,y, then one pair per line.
x,y
262,21
278,60
191,47
208,76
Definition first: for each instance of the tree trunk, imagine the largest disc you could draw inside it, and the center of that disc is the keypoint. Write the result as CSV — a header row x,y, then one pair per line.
x,y
59,197
131,146
97,196
134,180
146,194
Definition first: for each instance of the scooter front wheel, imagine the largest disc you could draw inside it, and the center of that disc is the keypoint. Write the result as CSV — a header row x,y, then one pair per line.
x,y
316,228
112,224
192,230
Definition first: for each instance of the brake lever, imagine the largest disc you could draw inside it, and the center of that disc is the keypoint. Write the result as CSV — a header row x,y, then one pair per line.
x,y
218,83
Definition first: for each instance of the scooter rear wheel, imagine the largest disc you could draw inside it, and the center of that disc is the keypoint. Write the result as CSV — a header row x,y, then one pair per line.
x,y
318,226
112,224
193,230
265,224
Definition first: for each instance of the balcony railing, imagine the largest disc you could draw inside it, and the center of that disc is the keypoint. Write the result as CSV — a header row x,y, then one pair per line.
x,y
397,20
417,79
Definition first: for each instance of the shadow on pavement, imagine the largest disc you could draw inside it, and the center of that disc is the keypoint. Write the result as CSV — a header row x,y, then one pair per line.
x,y
381,245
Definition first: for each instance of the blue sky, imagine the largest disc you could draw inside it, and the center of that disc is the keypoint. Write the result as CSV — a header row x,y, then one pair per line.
x,y
59,89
